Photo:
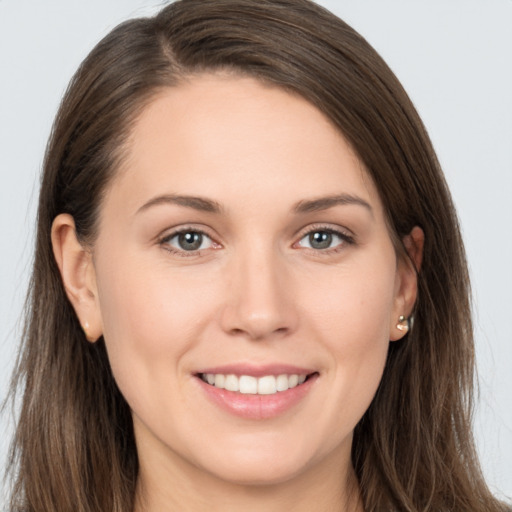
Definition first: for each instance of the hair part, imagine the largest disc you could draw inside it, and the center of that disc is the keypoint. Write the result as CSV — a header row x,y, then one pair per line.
x,y
74,447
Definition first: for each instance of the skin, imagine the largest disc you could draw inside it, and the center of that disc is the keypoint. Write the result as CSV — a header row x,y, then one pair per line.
x,y
257,292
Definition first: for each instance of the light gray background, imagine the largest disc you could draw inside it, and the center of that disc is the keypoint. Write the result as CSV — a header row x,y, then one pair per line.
x,y
454,57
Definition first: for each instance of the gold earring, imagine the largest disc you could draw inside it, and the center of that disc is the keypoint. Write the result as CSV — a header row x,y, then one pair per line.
x,y
85,328
403,324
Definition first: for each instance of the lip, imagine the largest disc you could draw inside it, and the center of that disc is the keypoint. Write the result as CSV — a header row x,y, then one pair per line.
x,y
257,407
258,371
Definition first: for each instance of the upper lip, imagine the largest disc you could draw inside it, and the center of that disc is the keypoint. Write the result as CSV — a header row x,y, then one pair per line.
x,y
257,370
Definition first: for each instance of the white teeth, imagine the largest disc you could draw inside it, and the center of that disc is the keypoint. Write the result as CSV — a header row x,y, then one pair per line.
x,y
219,380
293,381
249,385
231,383
267,385
282,383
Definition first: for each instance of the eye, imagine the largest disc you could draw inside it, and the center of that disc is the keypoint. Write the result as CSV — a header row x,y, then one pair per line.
x,y
324,239
187,241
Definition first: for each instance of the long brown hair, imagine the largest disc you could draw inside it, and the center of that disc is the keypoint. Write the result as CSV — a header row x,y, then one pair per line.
x,y
74,447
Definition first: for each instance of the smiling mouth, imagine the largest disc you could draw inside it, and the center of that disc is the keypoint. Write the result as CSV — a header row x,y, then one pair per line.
x,y
249,385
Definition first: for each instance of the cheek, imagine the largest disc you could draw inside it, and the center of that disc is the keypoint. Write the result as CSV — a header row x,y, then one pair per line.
x,y
353,305
151,318
351,313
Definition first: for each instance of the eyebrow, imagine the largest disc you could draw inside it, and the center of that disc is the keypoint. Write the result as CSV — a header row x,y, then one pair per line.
x,y
196,203
208,205
324,203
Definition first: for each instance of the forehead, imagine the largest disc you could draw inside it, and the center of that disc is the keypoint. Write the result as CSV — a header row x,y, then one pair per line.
x,y
229,137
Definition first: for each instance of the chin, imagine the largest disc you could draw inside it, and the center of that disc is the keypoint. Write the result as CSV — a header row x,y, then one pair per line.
x,y
262,465
260,474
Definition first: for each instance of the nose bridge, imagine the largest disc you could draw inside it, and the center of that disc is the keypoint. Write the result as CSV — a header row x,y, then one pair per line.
x,y
259,301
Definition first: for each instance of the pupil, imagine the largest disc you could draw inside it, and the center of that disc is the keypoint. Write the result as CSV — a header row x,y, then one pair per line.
x,y
190,241
320,240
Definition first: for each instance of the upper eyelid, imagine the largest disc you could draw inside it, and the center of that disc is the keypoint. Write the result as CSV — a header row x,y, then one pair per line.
x,y
347,237
325,227
163,242
172,232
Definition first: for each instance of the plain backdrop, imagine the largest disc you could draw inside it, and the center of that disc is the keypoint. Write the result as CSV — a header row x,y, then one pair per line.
x,y
454,57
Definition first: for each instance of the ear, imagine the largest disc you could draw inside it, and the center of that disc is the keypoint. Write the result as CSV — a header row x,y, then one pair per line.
x,y
406,285
78,275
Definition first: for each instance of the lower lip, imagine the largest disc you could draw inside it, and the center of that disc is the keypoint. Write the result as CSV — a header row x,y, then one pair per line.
x,y
258,407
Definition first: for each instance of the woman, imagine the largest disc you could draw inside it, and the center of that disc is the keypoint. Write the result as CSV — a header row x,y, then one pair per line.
x,y
240,215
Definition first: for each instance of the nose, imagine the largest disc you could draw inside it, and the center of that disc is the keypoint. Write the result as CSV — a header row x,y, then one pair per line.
x,y
259,297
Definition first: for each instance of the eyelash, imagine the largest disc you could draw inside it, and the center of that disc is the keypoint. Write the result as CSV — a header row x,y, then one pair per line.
x,y
164,242
345,238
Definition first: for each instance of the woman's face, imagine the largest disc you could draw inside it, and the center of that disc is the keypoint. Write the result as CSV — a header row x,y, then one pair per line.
x,y
242,245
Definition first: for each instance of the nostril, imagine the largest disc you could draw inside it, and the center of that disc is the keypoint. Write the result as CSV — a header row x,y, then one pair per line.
x,y
259,332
